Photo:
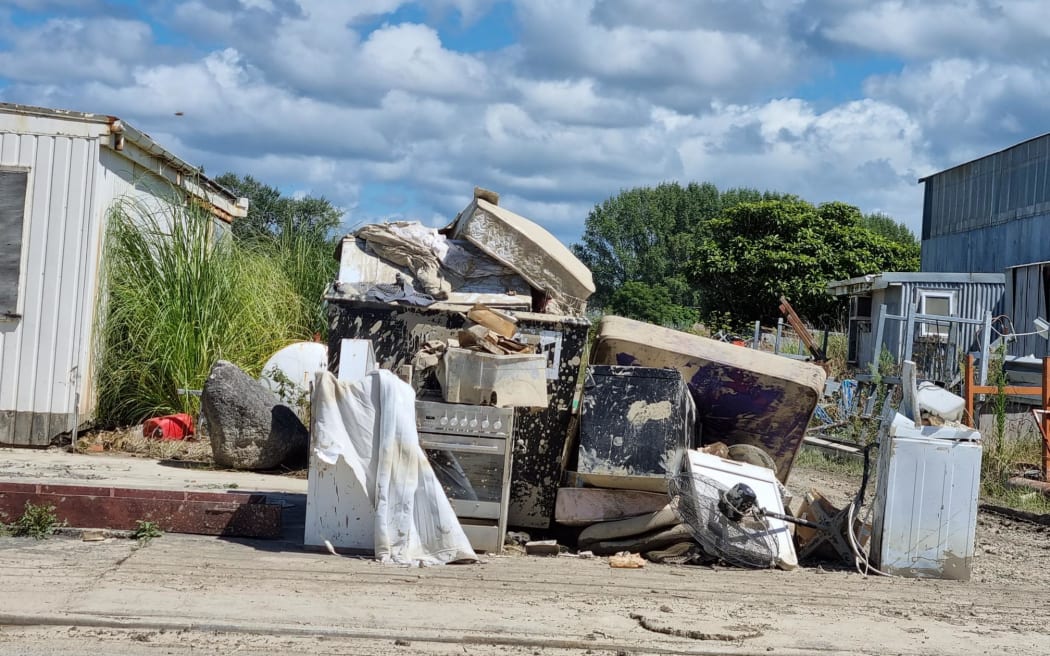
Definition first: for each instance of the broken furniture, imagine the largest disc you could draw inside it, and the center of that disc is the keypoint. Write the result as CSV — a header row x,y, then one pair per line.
x,y
545,263
583,506
524,268
742,396
229,514
925,512
457,271
636,424
470,450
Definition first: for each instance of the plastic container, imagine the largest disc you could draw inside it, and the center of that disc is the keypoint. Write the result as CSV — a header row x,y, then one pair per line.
x,y
169,427
939,401
504,381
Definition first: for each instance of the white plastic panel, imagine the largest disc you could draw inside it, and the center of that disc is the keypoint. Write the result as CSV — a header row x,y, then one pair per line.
x,y
337,508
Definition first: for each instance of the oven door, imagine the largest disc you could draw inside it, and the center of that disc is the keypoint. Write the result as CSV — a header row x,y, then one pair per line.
x,y
472,470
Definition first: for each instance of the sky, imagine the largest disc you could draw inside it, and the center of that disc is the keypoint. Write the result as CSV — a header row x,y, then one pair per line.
x,y
395,110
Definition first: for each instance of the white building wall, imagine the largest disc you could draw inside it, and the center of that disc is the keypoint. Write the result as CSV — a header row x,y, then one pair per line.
x,y
74,177
43,352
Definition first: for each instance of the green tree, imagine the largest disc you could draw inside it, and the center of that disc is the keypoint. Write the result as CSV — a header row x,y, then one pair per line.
x,y
649,234
271,214
888,227
755,252
651,303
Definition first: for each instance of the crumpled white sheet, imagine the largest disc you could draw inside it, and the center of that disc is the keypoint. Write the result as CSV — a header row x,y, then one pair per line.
x,y
371,424
429,254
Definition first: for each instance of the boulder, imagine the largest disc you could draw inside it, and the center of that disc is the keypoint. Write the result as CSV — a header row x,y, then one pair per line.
x,y
248,425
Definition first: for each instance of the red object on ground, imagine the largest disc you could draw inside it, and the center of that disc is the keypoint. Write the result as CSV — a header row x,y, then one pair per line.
x,y
169,427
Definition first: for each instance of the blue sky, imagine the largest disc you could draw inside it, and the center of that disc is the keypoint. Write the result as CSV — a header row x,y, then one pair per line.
x,y
398,109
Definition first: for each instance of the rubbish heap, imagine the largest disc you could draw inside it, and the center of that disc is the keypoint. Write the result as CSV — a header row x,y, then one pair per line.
x,y
664,443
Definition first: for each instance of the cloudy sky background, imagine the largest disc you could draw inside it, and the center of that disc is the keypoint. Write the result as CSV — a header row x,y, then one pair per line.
x,y
397,109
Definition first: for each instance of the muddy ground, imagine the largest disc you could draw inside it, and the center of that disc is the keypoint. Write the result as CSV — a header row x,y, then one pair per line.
x,y
189,594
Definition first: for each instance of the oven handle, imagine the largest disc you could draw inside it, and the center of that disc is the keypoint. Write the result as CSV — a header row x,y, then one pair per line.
x,y
462,448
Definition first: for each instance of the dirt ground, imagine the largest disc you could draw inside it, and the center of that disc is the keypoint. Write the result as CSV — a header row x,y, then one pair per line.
x,y
190,594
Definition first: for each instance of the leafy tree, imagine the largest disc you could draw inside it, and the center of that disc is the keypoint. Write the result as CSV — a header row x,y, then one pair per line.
x,y
648,234
890,228
651,303
270,213
755,252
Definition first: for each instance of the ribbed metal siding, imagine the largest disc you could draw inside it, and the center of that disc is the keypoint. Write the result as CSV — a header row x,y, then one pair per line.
x,y
40,351
974,299
989,214
1026,300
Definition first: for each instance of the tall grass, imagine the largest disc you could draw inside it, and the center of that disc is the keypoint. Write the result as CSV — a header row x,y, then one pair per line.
x,y
305,258
178,299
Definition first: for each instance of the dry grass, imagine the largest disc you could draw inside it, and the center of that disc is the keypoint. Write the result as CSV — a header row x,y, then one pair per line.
x,y
131,441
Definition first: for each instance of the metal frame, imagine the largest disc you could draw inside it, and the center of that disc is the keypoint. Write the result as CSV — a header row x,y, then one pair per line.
x,y
914,317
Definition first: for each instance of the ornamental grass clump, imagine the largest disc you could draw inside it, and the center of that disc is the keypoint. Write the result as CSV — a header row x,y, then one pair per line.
x,y
180,294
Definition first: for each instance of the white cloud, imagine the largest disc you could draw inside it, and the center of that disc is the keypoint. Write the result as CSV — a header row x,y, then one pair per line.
x,y
340,99
943,28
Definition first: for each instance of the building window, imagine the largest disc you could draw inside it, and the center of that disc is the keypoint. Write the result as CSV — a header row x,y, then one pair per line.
x,y
939,303
12,217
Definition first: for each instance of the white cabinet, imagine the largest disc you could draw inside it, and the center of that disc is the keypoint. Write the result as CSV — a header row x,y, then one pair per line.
x,y
926,501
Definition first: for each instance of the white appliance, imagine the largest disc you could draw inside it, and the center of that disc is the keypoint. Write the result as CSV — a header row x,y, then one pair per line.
x,y
470,449
764,482
337,508
925,512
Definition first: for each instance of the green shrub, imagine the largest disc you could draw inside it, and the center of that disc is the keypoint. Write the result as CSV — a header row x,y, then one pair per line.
x,y
178,298
38,522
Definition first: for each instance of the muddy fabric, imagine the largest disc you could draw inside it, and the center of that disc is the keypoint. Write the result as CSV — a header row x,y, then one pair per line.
x,y
371,425
401,291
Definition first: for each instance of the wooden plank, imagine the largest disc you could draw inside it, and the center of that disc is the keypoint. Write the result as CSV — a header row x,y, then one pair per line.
x,y
829,445
968,417
1009,390
1046,418
625,528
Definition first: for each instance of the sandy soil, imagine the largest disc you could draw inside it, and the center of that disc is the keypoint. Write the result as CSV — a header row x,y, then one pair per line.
x,y
188,594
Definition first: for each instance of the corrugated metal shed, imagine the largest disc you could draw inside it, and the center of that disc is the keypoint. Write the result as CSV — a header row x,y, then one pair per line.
x,y
971,296
990,213
74,166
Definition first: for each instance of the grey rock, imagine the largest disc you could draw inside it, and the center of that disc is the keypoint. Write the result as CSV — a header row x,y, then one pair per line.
x,y
248,425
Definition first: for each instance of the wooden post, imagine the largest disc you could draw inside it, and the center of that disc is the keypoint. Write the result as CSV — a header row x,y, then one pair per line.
x,y
1046,418
968,418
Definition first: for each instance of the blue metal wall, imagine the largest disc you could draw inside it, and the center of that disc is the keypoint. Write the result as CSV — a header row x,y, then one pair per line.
x,y
989,214
1026,300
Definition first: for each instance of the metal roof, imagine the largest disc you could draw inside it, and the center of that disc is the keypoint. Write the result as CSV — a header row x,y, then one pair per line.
x,y
977,159
871,282
224,202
